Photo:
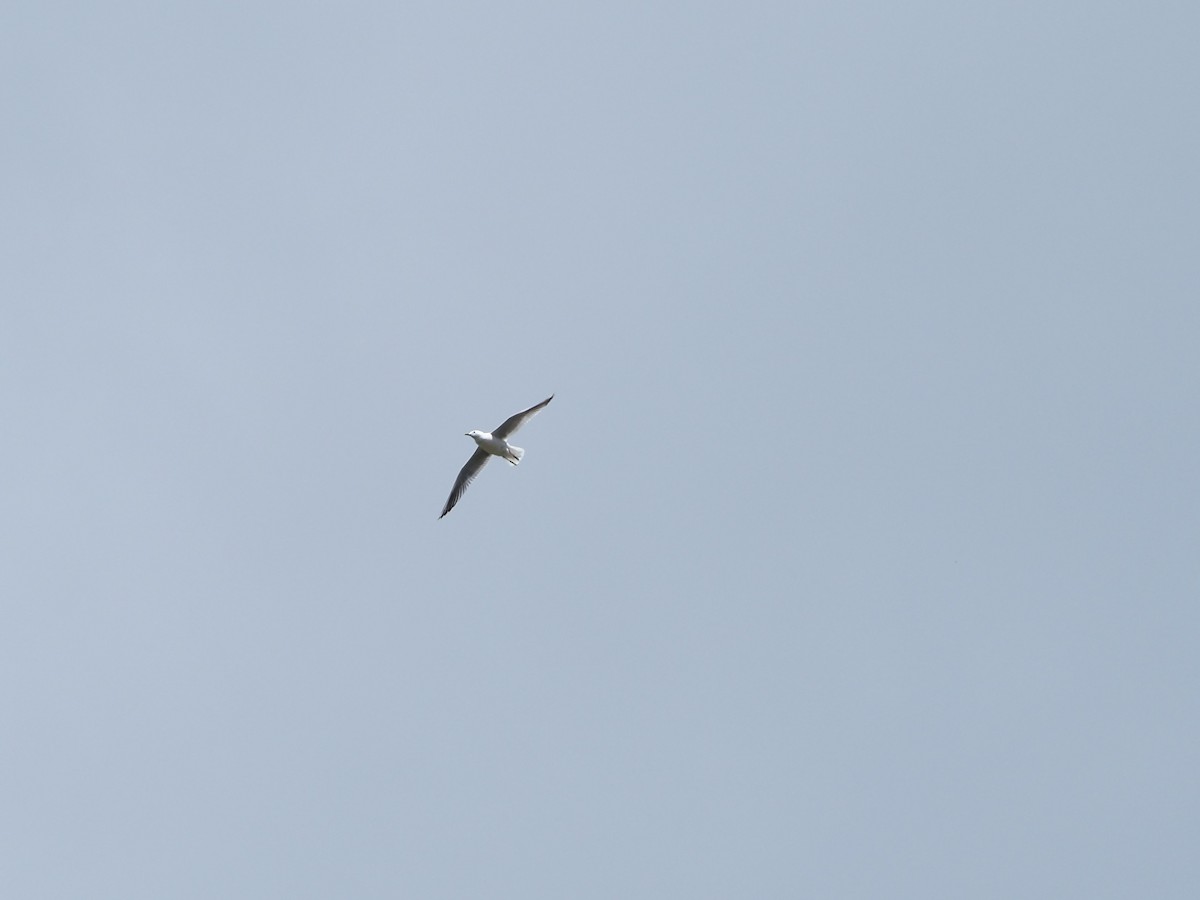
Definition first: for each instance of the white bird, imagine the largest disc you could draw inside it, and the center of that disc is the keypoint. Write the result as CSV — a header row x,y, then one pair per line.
x,y
490,445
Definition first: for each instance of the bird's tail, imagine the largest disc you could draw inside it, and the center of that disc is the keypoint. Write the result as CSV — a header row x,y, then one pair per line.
x,y
514,454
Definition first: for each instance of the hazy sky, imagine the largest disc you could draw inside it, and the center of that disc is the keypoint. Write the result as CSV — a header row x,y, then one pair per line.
x,y
857,556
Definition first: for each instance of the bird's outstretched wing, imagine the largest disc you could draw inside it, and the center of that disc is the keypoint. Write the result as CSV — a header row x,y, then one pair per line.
x,y
467,474
512,423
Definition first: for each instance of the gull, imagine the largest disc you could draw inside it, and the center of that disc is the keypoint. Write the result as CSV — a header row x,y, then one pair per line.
x,y
494,444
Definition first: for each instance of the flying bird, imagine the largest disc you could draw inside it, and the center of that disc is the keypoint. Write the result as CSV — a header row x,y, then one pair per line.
x,y
489,445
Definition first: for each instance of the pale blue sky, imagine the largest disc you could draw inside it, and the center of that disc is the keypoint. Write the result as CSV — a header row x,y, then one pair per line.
x,y
856,556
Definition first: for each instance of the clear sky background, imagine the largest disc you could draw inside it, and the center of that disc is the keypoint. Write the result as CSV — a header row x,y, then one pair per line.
x,y
856,557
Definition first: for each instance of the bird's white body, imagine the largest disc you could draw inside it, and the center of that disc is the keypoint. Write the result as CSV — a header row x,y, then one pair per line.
x,y
497,446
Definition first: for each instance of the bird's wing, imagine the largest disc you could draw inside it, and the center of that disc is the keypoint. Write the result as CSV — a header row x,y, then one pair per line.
x,y
512,423
473,467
